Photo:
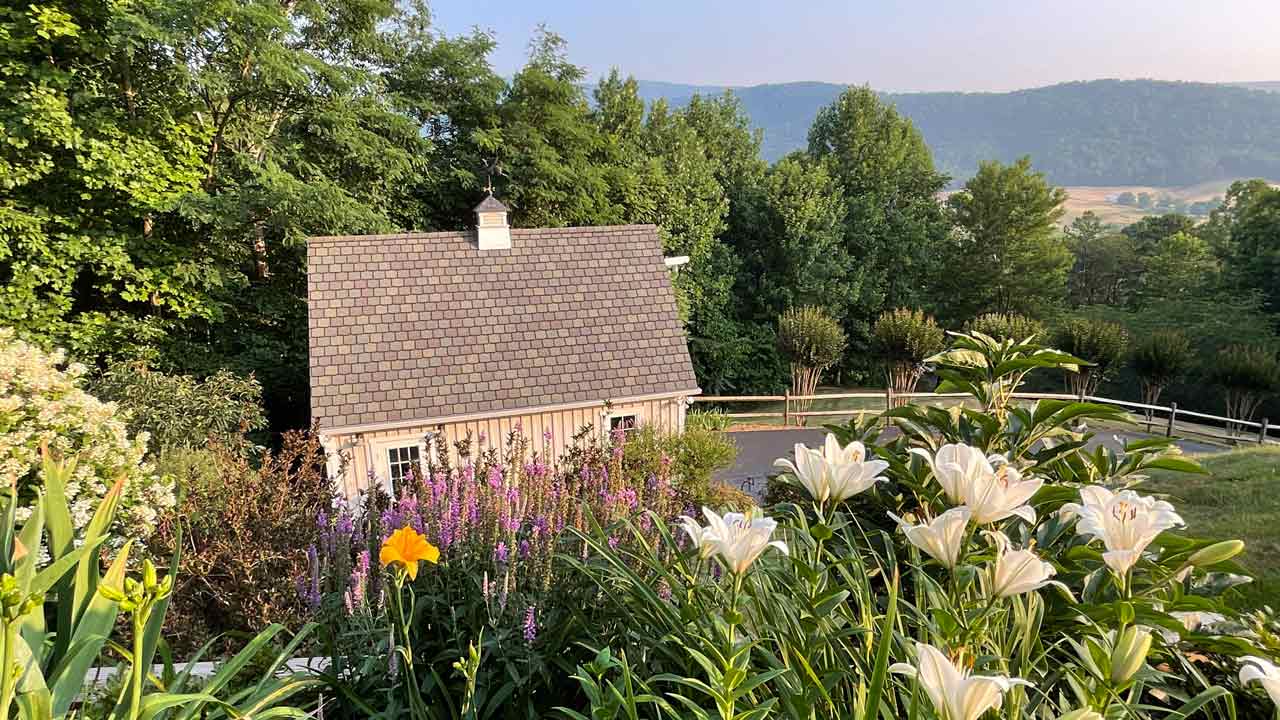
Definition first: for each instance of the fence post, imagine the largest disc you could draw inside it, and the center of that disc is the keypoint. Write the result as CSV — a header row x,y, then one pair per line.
x,y
888,397
786,408
1173,414
1262,432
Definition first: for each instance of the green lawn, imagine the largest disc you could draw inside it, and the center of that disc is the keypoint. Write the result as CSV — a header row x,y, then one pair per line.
x,y
1239,499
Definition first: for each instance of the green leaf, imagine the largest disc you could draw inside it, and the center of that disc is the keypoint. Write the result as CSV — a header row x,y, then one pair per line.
x,y
86,582
58,569
92,629
228,671
157,703
1176,464
880,672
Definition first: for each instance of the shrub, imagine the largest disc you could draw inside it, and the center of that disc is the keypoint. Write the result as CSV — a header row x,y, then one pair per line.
x,y
181,411
812,341
244,529
61,620
904,338
1098,342
1161,359
1006,326
42,404
696,456
1248,375
714,419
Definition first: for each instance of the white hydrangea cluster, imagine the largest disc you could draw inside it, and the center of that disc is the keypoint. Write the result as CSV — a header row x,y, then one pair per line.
x,y
41,402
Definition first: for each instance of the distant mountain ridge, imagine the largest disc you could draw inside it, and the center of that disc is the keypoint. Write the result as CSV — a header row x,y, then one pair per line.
x,y
1100,132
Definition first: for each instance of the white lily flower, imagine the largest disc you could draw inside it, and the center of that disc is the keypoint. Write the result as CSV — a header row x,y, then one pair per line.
x,y
702,537
991,487
834,454
942,537
955,694
1017,571
1002,494
835,473
853,478
739,539
956,466
1263,672
810,470
1125,522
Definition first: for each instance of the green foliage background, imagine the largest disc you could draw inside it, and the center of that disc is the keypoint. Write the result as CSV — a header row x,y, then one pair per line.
x,y
162,164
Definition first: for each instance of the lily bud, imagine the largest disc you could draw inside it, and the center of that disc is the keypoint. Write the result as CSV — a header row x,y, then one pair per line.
x,y
149,579
111,593
1129,655
1216,553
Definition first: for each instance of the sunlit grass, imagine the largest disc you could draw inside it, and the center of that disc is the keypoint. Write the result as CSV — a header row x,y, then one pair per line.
x,y
1239,499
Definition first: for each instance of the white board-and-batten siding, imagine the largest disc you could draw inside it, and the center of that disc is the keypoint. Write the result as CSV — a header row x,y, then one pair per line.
x,y
353,454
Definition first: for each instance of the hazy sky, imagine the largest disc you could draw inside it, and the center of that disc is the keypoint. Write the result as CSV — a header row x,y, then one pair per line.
x,y
892,44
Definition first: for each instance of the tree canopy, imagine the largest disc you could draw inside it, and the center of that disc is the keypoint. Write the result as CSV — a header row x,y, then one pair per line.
x,y
164,162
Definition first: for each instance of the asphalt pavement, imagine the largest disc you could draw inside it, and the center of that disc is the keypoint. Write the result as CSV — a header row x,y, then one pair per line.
x,y
757,449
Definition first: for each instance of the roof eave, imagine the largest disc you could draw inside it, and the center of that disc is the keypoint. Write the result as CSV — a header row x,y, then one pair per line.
x,y
506,412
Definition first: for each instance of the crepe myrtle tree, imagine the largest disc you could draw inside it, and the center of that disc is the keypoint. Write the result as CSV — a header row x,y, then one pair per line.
x,y
812,341
1006,326
1161,359
1101,344
1248,375
904,338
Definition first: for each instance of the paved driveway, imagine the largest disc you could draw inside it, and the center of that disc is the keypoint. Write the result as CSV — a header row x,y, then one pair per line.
x,y
757,449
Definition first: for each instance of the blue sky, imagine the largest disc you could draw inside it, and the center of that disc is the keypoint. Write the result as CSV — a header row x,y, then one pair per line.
x,y
893,45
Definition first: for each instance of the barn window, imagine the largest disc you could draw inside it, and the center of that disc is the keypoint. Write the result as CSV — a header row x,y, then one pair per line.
x,y
625,422
401,461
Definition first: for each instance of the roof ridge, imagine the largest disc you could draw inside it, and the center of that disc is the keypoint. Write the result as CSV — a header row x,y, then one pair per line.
x,y
575,229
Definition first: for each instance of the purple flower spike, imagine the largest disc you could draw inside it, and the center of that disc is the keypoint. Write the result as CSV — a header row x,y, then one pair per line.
x,y
530,625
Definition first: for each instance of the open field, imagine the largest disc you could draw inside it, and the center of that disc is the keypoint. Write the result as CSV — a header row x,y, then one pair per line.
x,y
1237,500
1101,200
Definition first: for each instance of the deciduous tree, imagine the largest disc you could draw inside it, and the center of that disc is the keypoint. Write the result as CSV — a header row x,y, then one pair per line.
x,y
1007,255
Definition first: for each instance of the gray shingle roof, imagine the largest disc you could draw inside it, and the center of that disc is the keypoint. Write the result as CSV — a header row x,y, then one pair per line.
x,y
490,204
423,325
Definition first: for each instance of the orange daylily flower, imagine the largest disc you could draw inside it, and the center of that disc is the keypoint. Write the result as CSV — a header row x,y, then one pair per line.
x,y
405,548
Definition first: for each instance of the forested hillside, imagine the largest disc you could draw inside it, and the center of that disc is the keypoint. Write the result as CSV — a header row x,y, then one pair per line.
x,y
1103,132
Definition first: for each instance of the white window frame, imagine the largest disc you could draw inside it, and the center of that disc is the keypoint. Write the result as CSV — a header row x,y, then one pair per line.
x,y
407,457
382,456
635,421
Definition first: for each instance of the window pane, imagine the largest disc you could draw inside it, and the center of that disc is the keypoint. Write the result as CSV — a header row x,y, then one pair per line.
x,y
401,461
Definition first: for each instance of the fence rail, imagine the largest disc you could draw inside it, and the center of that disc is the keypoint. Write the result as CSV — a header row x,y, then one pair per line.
x,y
1169,414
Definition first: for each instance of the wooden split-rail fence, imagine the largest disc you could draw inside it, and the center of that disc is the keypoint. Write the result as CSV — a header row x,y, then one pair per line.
x,y
1168,419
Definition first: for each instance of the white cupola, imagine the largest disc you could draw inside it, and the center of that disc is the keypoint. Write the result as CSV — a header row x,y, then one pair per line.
x,y
492,230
